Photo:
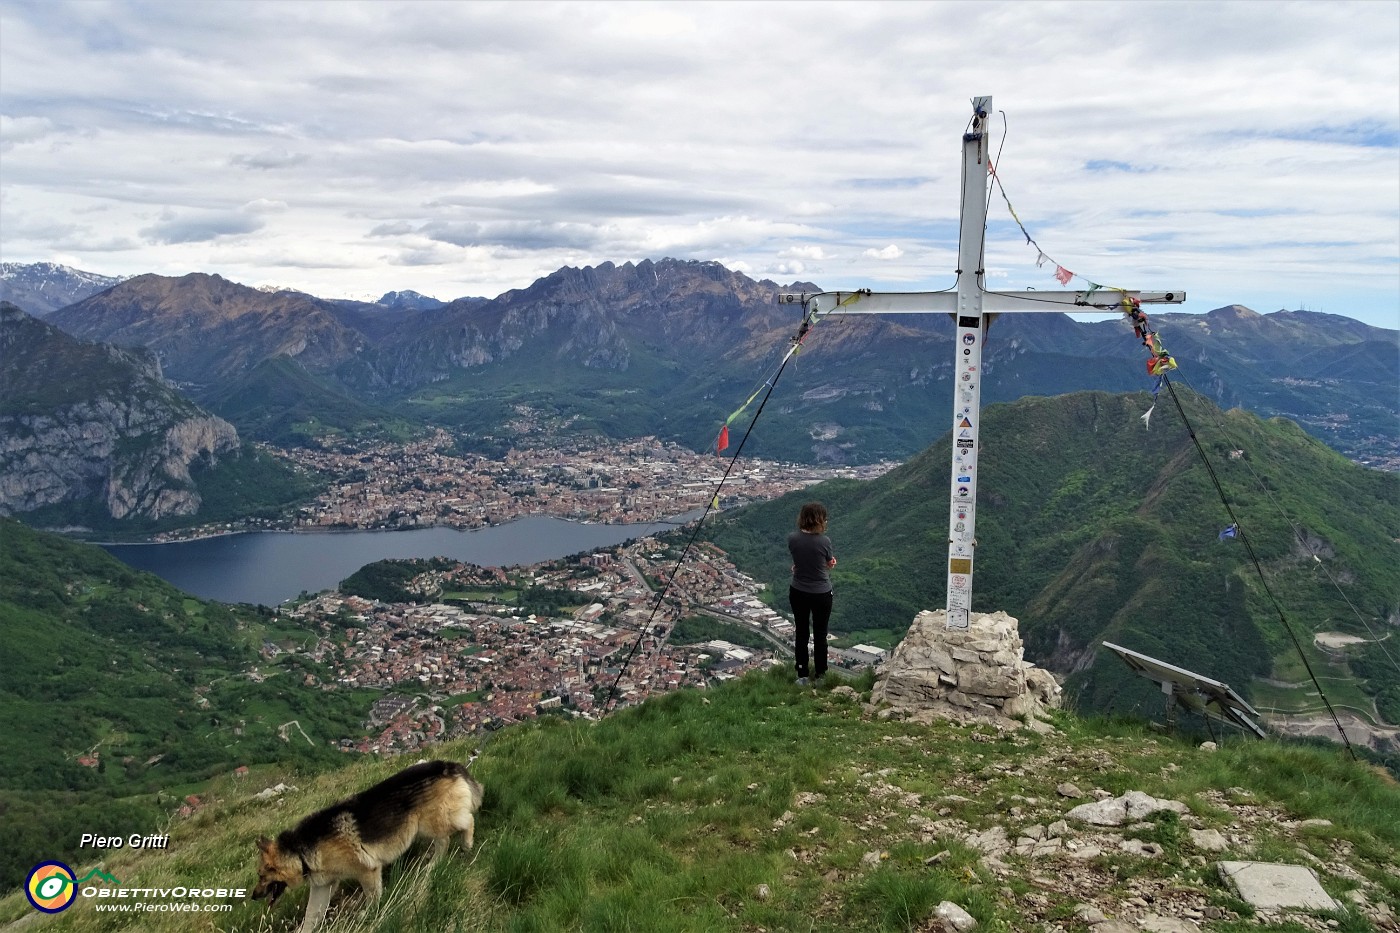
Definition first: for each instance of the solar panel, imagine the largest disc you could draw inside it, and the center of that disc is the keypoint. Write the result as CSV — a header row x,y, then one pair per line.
x,y
1194,691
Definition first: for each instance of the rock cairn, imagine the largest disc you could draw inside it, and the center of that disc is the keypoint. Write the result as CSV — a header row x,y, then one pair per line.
x,y
977,674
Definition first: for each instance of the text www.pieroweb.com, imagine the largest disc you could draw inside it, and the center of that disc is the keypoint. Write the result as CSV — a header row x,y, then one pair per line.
x,y
184,900
180,907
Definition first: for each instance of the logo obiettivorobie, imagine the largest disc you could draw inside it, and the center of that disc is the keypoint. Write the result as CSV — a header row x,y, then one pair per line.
x,y
52,887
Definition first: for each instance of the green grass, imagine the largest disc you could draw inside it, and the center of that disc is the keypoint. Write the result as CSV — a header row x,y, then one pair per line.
x,y
760,805
1343,689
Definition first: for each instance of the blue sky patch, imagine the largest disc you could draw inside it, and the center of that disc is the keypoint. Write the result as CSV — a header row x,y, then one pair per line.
x,y
1109,165
885,184
1367,134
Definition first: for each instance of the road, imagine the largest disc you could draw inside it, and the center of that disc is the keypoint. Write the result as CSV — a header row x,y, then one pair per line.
x,y
781,648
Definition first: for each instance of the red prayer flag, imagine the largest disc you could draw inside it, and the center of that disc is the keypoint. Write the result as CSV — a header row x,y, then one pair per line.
x,y
723,441
1063,274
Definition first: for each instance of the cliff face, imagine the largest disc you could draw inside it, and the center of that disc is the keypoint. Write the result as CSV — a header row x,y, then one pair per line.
x,y
89,422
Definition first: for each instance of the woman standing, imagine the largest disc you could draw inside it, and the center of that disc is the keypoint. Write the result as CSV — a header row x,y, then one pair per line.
x,y
810,592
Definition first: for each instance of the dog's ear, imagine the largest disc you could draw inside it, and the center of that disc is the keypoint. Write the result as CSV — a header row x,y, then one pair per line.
x,y
265,844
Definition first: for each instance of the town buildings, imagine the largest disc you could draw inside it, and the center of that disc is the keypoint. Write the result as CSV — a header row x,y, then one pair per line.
x,y
470,661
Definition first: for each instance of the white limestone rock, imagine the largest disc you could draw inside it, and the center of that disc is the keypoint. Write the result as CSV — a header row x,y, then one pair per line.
x,y
977,674
1209,839
1129,808
954,918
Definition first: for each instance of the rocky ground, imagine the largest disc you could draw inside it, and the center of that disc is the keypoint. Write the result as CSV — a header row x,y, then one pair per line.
x,y
1080,858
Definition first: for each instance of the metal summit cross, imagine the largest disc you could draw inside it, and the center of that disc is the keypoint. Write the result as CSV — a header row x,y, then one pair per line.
x,y
972,306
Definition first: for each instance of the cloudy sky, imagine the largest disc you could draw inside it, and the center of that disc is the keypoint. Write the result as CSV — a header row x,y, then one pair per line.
x,y
1245,152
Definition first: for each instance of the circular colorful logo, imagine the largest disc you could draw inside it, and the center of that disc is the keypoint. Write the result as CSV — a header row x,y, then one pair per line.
x,y
51,887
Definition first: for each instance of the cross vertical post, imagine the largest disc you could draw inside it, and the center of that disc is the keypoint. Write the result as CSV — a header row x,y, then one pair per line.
x,y
967,387
972,306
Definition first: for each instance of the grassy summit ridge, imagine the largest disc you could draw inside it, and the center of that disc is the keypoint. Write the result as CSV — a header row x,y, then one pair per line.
x,y
761,805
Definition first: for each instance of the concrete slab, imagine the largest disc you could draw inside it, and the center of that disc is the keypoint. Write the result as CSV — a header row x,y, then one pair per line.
x,y
1274,886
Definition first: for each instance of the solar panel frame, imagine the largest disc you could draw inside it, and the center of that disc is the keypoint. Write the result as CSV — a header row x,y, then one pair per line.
x,y
1196,692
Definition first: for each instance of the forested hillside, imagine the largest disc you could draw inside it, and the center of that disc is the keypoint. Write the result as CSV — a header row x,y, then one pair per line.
x,y
1090,526
118,691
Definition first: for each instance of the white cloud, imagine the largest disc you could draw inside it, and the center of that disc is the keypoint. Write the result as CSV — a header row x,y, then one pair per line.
x,y
172,228
1246,149
17,130
269,159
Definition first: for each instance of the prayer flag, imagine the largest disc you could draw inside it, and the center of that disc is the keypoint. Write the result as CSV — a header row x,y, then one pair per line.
x,y
722,443
1229,532
1147,418
1063,274
1160,364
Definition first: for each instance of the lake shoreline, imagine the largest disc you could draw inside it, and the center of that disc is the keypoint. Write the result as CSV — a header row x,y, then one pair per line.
x,y
676,520
270,566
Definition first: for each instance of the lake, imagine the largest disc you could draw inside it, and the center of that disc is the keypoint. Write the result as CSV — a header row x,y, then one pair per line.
x,y
269,567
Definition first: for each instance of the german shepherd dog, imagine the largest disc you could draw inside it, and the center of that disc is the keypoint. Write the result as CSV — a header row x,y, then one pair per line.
x,y
358,836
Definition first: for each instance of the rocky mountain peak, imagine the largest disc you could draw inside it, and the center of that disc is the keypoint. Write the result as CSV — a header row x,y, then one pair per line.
x,y
43,287
204,326
409,300
1233,313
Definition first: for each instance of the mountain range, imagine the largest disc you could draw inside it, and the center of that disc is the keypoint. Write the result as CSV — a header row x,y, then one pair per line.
x,y
41,287
664,348
672,347
1091,525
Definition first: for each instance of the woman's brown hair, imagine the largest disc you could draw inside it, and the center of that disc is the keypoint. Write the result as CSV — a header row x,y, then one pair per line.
x,y
812,518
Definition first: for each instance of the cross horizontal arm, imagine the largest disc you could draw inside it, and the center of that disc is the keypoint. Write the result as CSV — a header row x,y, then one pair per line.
x,y
865,301
1100,299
